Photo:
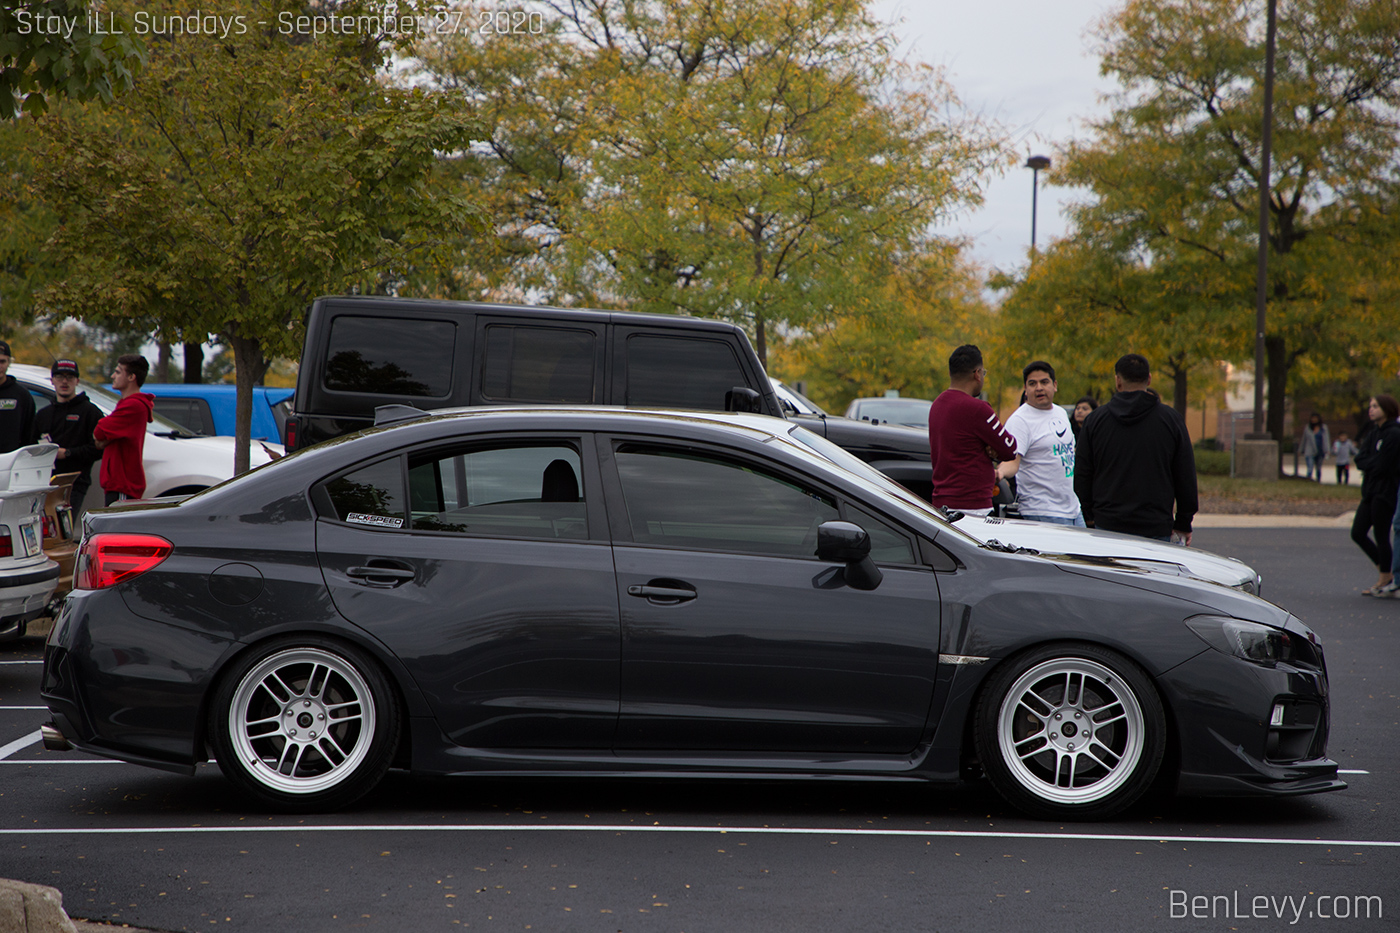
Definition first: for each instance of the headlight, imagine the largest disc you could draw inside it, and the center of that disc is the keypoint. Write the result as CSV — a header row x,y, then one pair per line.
x,y
1251,641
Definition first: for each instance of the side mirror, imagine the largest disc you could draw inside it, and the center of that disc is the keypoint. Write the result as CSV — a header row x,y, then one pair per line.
x,y
742,398
849,544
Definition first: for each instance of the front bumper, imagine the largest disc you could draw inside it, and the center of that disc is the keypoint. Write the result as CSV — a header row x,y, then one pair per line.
x,y
1232,740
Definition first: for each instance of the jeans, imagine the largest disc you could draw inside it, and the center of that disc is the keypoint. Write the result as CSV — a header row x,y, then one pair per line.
x,y
1395,553
1075,522
1314,467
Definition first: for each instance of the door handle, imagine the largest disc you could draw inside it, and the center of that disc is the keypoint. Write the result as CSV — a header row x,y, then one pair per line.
x,y
383,577
669,594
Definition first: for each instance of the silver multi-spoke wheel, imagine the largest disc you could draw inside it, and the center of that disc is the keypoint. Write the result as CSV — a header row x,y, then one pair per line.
x,y
1071,732
306,725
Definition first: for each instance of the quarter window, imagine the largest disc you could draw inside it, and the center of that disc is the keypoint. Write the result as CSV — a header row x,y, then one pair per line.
x,y
371,496
517,491
680,499
386,356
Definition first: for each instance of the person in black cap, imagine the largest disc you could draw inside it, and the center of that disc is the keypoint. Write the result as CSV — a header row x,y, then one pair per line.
x,y
16,407
68,422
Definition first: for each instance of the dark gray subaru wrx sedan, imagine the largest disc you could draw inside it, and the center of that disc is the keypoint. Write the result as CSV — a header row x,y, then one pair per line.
x,y
599,591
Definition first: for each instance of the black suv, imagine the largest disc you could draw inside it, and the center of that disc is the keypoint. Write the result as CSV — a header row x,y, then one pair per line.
x,y
366,351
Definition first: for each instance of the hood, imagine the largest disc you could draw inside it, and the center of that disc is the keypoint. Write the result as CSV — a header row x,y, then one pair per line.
x,y
148,400
1132,407
1126,551
221,445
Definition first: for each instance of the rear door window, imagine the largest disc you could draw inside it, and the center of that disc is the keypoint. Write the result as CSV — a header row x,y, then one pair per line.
x,y
391,356
555,365
516,491
193,414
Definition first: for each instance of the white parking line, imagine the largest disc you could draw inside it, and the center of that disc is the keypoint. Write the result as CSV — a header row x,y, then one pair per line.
x,y
711,830
22,707
22,662
18,744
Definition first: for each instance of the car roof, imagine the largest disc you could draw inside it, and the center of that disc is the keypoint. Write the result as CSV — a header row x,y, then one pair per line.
x,y
274,394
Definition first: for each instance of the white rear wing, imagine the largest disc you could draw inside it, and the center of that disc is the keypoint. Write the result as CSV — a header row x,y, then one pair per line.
x,y
27,468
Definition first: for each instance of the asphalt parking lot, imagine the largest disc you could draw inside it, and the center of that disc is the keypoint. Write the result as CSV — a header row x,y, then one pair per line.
x,y
127,845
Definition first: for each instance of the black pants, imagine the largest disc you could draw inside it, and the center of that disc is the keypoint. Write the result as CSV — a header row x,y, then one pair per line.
x,y
109,497
1373,516
1343,474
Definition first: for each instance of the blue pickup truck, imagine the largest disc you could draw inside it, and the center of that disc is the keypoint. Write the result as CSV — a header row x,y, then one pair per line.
x,y
208,409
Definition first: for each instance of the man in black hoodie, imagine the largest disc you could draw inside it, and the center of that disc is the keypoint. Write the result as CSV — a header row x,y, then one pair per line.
x,y
1134,460
68,422
16,407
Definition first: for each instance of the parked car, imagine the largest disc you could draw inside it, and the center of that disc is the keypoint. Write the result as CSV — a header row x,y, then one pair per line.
x,y
910,412
60,540
208,409
533,591
27,575
365,351
177,462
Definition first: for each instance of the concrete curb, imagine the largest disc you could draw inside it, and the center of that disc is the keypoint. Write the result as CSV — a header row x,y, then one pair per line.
x,y
1271,521
32,908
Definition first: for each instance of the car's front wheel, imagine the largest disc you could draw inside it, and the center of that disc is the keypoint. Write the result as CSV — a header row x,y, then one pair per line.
x,y
305,724
1070,732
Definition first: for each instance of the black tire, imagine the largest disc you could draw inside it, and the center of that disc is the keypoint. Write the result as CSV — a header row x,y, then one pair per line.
x,y
1070,732
304,724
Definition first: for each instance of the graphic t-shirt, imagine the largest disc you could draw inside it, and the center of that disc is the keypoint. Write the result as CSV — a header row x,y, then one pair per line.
x,y
1045,480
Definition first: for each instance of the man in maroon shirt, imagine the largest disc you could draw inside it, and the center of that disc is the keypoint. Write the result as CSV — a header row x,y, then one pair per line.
x,y
966,439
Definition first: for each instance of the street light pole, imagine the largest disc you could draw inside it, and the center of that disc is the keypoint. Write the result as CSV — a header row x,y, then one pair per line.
x,y
1262,275
1035,164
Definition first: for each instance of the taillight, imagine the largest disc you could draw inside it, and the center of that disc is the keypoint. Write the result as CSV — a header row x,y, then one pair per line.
x,y
291,432
108,559
7,545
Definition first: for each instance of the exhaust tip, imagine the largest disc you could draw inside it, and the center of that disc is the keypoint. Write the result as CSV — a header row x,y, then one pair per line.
x,y
53,739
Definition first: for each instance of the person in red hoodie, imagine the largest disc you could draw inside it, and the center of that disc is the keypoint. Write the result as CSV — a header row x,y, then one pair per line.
x,y
121,436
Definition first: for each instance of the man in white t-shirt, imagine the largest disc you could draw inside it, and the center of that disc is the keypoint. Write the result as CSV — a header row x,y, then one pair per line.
x,y
1044,464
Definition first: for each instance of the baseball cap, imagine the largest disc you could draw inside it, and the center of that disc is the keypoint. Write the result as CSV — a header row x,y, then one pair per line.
x,y
5,349
64,368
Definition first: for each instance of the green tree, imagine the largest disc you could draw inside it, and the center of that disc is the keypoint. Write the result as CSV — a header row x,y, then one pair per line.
x,y
66,48
934,303
252,173
1173,175
768,162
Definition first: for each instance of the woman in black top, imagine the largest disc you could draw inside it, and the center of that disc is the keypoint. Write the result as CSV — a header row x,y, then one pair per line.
x,y
1379,462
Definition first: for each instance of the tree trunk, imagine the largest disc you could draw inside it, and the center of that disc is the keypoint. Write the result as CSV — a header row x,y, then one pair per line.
x,y
162,373
249,367
760,335
1179,374
194,363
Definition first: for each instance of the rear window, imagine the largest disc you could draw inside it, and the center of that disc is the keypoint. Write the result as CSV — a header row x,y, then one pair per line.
x,y
391,357
191,414
680,372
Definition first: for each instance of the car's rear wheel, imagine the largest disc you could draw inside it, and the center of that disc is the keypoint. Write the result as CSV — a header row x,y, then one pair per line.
x,y
305,724
1070,732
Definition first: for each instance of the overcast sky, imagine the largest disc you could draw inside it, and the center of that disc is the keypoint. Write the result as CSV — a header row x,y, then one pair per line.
x,y
1028,65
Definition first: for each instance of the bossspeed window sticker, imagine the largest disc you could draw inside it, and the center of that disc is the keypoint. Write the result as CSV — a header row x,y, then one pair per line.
x,y
383,521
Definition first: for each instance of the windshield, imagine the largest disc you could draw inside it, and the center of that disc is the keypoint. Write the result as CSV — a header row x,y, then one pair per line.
x,y
795,401
871,476
106,400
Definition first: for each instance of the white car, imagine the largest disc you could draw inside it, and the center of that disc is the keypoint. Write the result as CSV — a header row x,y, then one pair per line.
x,y
27,576
177,463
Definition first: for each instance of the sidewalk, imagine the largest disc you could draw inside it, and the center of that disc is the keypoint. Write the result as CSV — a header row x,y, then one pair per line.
x,y
1329,471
